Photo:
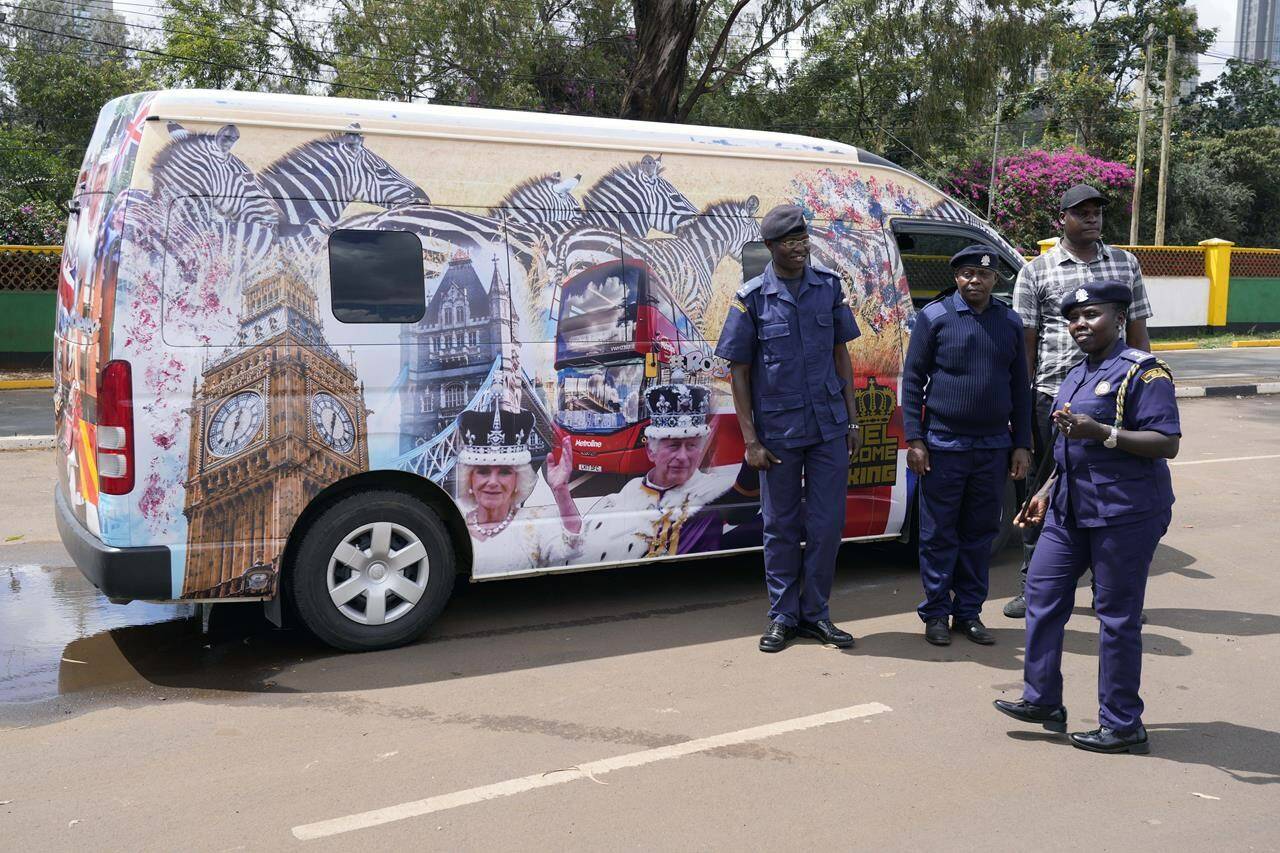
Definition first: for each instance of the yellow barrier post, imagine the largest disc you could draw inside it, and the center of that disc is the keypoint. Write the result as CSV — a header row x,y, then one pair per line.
x,y
1217,266
1047,244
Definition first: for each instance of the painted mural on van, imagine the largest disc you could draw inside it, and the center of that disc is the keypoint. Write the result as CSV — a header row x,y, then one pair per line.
x,y
558,381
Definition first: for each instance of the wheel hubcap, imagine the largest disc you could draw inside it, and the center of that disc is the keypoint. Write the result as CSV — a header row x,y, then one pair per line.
x,y
377,573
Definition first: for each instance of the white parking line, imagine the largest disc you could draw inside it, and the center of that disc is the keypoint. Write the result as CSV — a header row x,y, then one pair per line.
x,y
1226,459
417,808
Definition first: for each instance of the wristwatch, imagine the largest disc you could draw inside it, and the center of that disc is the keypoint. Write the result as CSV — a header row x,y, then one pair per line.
x,y
1110,441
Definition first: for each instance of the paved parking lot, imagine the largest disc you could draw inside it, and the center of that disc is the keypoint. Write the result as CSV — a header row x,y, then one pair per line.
x,y
630,709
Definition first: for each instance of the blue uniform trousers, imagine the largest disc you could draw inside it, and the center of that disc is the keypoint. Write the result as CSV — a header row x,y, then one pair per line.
x,y
800,583
1120,556
960,501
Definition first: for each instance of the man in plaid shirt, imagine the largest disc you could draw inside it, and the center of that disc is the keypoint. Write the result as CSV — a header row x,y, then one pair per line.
x,y
1079,258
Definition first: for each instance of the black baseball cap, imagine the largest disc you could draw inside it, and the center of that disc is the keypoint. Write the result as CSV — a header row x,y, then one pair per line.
x,y
1079,194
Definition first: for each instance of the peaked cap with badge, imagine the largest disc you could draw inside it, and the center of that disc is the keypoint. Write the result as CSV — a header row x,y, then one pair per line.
x,y
1096,293
978,255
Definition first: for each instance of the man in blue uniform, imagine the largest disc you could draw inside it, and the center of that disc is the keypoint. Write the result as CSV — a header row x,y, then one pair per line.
x,y
792,381
964,387
1107,505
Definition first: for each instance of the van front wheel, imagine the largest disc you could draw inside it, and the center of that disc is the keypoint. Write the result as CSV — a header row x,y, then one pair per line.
x,y
373,571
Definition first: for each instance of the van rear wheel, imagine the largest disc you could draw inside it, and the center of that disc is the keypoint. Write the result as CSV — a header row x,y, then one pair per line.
x,y
373,571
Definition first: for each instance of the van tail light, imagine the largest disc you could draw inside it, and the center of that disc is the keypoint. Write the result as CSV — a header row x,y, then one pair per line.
x,y
115,429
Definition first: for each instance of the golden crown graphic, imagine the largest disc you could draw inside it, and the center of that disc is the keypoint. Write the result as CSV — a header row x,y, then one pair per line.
x,y
875,403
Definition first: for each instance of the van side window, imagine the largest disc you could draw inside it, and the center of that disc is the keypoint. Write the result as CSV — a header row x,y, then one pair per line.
x,y
926,250
376,276
755,257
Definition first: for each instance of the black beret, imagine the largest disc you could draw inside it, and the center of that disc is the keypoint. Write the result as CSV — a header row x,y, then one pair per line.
x,y
977,255
1079,194
783,220
1096,293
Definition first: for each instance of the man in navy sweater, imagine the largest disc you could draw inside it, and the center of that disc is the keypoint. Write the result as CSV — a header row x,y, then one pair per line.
x,y
966,406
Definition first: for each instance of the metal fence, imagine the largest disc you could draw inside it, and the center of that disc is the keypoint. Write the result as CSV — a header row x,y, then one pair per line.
x,y
29,269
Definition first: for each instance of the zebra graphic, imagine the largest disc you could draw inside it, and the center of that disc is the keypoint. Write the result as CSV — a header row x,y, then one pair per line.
x,y
541,205
540,201
206,205
685,262
635,198
200,168
314,182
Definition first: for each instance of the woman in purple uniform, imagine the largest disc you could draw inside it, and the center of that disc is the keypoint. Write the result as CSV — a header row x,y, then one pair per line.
x,y
1106,506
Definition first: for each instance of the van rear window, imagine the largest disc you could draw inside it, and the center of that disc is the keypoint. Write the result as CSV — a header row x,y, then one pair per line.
x,y
376,276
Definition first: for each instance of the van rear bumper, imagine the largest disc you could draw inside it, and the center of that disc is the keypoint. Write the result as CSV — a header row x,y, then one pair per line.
x,y
121,573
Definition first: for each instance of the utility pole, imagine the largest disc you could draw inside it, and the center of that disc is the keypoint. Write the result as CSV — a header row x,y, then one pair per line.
x,y
995,153
1162,195
1142,140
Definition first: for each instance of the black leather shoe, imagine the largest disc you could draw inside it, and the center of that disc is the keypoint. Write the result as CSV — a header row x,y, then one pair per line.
x,y
974,630
1016,608
936,631
1053,719
825,631
1106,740
776,637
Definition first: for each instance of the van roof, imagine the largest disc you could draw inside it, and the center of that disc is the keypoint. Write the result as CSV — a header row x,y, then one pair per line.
x,y
324,113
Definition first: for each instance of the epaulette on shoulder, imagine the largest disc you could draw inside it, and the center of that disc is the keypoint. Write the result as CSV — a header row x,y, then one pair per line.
x,y
750,287
819,268
999,301
1137,356
935,307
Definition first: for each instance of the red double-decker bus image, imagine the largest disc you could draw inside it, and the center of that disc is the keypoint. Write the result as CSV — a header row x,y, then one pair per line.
x,y
612,317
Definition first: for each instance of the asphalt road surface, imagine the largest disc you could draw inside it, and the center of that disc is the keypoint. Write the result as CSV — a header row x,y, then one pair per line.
x,y
1224,366
28,411
631,709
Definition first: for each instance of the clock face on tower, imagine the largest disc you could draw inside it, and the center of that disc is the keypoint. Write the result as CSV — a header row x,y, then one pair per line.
x,y
235,423
332,422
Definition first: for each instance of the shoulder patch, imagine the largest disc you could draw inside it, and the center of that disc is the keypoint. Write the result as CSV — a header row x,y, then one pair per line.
x,y
1155,373
737,303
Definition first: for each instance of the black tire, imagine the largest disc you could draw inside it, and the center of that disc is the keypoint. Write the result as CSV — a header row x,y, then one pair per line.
x,y
350,523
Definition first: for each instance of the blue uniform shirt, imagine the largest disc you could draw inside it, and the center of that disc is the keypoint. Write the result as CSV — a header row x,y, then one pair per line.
x,y
964,381
1097,486
797,398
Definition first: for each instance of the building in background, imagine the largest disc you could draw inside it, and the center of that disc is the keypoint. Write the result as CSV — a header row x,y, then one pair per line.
x,y
1258,31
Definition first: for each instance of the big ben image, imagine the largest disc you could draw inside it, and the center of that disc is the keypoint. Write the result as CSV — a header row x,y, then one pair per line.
x,y
274,420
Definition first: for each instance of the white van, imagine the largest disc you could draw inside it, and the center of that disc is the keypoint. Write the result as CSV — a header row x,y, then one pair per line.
x,y
330,354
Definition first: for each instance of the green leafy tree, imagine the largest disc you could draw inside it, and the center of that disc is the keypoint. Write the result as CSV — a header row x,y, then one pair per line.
x,y
254,45
58,67
1245,94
